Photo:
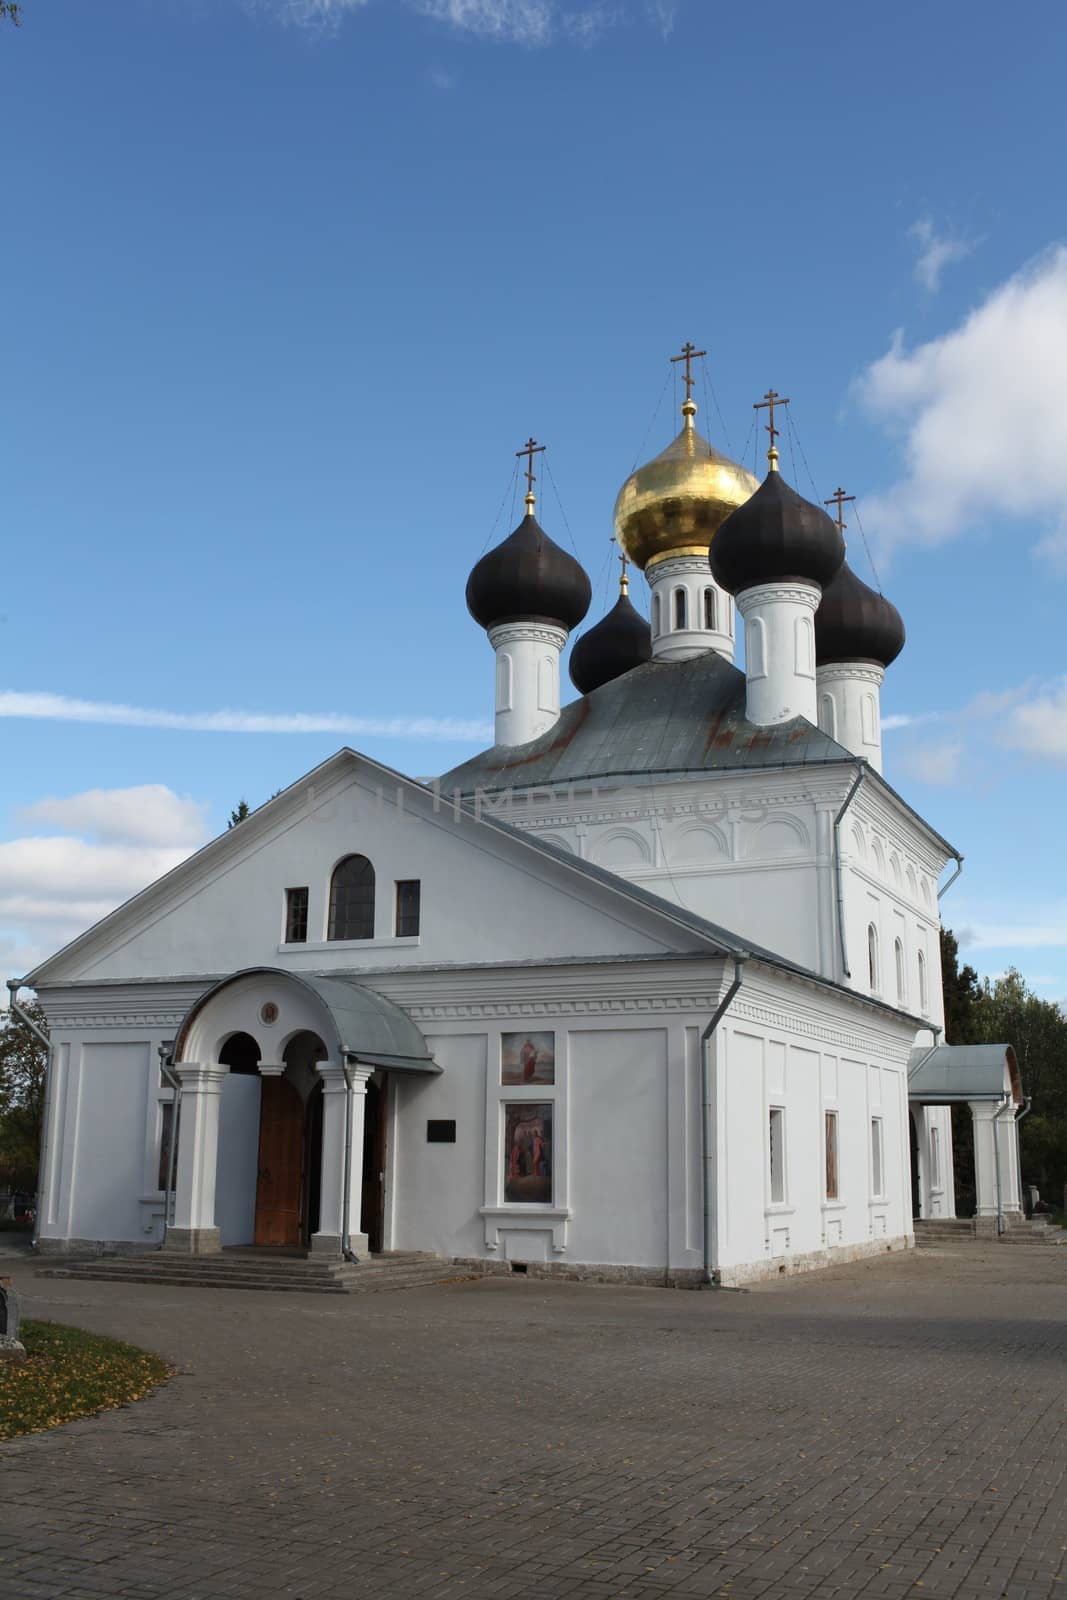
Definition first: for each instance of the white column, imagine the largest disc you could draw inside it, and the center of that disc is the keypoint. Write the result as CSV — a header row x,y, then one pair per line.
x,y
995,1121
850,707
194,1231
328,1239
527,679
340,1107
780,651
681,629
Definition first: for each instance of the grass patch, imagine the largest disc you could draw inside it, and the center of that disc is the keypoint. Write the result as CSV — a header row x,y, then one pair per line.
x,y
69,1373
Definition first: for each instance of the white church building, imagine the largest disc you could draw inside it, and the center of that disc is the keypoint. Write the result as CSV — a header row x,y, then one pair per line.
x,y
649,990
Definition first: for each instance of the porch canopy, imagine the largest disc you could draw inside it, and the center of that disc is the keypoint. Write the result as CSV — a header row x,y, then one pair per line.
x,y
365,1026
957,1073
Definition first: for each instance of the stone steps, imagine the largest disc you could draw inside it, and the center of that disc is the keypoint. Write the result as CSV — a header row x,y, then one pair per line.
x,y
402,1269
941,1233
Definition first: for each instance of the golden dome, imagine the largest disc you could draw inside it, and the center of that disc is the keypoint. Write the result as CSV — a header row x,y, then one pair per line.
x,y
673,505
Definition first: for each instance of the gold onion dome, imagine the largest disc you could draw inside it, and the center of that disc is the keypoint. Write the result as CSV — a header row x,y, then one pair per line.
x,y
674,505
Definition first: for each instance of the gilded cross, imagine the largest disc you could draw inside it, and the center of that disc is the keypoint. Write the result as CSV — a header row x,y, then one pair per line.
x,y
530,449
689,354
839,499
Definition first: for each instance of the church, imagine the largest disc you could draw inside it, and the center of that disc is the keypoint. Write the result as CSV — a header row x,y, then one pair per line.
x,y
649,991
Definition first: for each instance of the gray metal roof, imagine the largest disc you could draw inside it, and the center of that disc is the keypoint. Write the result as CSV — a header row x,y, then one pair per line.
x,y
665,716
963,1072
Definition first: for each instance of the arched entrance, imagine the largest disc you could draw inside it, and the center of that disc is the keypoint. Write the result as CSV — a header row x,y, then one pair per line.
x,y
315,1055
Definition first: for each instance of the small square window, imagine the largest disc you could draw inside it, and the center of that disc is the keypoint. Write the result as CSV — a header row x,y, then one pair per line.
x,y
440,1132
408,907
296,916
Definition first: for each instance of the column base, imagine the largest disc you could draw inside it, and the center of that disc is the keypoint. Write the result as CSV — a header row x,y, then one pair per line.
x,y
329,1244
192,1241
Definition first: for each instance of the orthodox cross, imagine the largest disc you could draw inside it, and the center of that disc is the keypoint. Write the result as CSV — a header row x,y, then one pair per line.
x,y
839,499
530,449
771,399
689,354
624,581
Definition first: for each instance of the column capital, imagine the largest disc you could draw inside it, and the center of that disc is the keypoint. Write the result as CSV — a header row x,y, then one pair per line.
x,y
271,1069
333,1076
360,1075
201,1077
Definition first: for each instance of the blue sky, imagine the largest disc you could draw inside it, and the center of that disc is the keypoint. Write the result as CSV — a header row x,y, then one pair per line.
x,y
287,284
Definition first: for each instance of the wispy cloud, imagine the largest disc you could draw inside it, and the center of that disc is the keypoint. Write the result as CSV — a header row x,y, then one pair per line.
x,y
63,708
936,251
987,393
934,763
532,24
148,814
1047,930
908,719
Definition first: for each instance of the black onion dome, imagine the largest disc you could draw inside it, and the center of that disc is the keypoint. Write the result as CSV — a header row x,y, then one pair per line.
x,y
528,578
775,536
619,642
853,623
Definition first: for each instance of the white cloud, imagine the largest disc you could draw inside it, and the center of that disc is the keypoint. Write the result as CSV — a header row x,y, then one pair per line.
x,y
934,763
1046,931
526,22
908,719
53,886
64,708
1039,725
320,16
982,414
936,251
150,814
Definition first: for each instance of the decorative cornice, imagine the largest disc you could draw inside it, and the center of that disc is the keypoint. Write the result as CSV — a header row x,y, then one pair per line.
x,y
793,593
851,672
522,632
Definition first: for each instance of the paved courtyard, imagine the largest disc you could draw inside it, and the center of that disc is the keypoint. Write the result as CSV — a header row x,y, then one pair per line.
x,y
889,1429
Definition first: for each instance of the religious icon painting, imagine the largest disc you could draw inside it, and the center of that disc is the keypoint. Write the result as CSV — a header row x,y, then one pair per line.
x,y
527,1058
528,1153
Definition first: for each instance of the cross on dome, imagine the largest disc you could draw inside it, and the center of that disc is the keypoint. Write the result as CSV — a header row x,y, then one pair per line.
x,y
689,354
530,449
839,499
771,399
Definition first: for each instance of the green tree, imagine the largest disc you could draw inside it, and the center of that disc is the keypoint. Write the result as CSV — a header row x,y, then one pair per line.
x,y
23,1059
239,813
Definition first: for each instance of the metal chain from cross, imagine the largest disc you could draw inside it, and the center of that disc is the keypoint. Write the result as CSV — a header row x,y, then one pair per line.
x,y
530,449
689,354
771,399
839,499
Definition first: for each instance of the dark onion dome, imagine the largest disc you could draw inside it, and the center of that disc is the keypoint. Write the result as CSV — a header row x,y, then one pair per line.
x,y
853,623
528,578
619,642
775,536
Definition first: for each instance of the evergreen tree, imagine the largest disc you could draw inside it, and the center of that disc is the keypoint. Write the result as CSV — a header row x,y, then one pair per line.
x,y
239,813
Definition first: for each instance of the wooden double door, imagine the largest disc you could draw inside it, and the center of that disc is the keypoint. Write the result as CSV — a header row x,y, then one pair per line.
x,y
290,1165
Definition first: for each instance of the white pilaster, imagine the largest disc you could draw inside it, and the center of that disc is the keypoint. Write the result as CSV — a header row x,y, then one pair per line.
x,y
780,651
850,708
357,1100
527,679
194,1231
993,1160
690,625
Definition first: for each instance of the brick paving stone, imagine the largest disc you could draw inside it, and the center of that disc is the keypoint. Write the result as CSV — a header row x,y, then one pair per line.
x,y
888,1429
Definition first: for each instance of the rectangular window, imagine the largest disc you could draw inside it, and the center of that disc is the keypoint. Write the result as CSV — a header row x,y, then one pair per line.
x,y
408,906
296,916
776,1133
440,1131
528,1153
166,1144
831,1155
877,1179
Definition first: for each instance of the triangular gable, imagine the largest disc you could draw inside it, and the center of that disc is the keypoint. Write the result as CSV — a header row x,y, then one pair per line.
x,y
491,891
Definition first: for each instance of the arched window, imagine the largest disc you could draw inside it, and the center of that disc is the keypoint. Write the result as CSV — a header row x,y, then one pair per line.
x,y
655,616
828,715
898,954
872,956
352,899
924,994
709,608
680,609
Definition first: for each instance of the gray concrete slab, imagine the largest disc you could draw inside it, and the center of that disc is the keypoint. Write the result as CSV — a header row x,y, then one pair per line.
x,y
892,1428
